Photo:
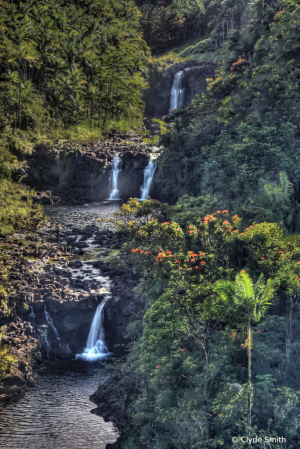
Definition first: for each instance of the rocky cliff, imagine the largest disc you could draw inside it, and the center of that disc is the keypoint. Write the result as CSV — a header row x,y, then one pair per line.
x,y
81,172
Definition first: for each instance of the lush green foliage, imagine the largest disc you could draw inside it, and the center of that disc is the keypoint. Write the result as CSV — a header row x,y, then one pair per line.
x,y
206,324
7,361
68,61
239,137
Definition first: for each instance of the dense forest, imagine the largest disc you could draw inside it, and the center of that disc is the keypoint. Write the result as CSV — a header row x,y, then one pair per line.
x,y
213,353
216,355
64,64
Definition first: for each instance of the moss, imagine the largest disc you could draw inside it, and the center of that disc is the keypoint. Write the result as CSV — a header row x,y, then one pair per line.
x,y
17,213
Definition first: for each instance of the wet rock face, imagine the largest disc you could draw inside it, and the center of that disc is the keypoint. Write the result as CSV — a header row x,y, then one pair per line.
x,y
82,172
157,96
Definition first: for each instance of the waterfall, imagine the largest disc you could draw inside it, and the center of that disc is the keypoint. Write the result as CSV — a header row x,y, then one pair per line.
x,y
177,92
45,333
31,315
96,347
50,322
148,177
114,195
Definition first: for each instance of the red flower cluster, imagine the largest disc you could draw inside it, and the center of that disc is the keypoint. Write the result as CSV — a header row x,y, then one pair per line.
x,y
160,256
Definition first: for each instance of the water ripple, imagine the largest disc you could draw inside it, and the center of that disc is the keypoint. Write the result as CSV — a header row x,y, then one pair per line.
x,y
55,414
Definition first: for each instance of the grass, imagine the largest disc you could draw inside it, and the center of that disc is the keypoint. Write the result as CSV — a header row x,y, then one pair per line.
x,y
186,51
84,134
17,214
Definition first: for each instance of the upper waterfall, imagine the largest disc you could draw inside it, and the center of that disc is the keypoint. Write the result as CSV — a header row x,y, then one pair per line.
x,y
177,92
114,195
148,177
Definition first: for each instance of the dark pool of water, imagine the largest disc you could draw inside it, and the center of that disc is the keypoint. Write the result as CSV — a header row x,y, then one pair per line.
x,y
55,412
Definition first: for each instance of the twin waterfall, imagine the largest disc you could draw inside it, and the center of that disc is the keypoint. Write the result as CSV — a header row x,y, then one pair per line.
x,y
145,188
177,92
148,177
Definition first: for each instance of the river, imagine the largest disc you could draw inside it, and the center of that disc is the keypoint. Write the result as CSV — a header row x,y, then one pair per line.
x,y
56,412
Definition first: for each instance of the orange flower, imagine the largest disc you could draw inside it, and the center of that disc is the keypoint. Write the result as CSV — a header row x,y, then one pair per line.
x,y
180,268
166,223
251,226
262,258
243,271
218,212
141,252
201,255
236,230
198,230
169,252
226,222
235,216
190,232
202,262
224,211
241,233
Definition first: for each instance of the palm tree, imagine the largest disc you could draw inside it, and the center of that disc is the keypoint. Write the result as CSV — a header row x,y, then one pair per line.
x,y
242,303
277,203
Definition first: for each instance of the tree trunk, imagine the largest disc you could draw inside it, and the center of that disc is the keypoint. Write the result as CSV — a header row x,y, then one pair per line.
x,y
249,387
288,342
91,114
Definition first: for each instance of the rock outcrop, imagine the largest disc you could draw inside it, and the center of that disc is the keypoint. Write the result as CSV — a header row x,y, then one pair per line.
x,y
81,172
43,281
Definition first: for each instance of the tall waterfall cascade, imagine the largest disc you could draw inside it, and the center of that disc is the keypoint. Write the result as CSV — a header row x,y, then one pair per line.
x,y
177,92
96,347
148,178
114,195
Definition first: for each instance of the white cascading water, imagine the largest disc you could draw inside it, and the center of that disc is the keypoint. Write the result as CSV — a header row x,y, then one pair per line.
x,y
114,195
148,178
31,315
50,322
45,334
177,92
96,347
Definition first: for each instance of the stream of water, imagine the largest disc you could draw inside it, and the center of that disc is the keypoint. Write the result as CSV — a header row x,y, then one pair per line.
x,y
56,412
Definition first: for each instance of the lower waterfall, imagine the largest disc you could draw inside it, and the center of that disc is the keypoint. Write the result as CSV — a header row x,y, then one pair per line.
x,y
96,347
